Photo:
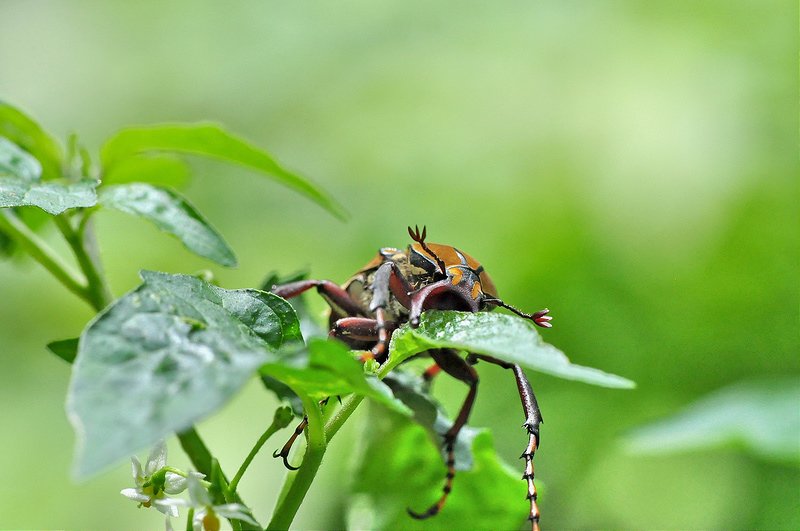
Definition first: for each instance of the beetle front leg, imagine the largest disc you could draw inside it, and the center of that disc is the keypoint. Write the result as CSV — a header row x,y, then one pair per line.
x,y
333,294
365,329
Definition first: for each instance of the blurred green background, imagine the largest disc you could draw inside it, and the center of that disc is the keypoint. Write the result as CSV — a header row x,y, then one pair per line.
x,y
631,165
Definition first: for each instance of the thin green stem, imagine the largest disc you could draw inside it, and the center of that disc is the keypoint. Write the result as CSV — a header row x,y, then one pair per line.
x,y
199,454
83,246
42,253
288,504
282,418
296,485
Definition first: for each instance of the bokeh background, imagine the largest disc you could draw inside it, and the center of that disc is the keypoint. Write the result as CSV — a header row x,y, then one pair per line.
x,y
631,165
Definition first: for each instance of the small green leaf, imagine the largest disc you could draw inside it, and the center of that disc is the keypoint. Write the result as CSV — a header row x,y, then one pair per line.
x,y
165,170
763,417
16,162
66,349
164,356
208,140
506,337
26,133
328,368
171,213
400,468
54,198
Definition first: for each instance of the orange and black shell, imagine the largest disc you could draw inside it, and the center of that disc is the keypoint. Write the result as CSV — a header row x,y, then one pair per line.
x,y
420,269
458,264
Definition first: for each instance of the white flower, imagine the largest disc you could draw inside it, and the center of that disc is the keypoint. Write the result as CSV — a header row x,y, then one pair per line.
x,y
205,513
153,483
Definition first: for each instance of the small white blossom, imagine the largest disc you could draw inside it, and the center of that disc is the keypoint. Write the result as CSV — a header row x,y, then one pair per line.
x,y
154,484
205,513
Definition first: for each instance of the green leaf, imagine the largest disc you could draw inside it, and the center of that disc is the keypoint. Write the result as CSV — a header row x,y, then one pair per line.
x,y
506,337
17,162
54,198
208,140
66,349
27,134
156,169
400,468
173,214
762,417
163,356
328,368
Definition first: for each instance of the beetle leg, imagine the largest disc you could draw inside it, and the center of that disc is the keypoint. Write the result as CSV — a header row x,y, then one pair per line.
x,y
431,372
455,366
333,294
283,453
359,329
533,417
540,318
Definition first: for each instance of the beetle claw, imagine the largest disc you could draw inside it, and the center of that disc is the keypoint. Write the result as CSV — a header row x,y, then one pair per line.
x,y
542,319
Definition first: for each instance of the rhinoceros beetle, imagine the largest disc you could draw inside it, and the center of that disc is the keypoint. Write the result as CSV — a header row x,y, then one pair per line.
x,y
396,287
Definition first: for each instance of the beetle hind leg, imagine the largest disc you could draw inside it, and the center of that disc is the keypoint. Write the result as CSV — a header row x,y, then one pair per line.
x,y
455,366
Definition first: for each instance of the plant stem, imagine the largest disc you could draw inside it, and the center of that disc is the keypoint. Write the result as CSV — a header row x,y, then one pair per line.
x,y
296,485
289,503
43,254
84,247
276,425
199,454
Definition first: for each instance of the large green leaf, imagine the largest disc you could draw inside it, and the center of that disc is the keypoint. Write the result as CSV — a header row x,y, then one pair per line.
x,y
168,170
16,162
763,417
506,337
54,198
163,356
171,213
399,468
26,133
208,140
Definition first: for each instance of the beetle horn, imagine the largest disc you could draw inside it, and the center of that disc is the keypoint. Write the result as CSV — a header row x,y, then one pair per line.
x,y
442,295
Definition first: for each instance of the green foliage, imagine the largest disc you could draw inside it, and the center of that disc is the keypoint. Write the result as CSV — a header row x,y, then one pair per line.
x,y
177,348
20,184
66,349
208,140
762,417
505,337
171,213
23,131
163,356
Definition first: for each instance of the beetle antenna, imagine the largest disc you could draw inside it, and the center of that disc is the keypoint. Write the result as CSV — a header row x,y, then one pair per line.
x,y
420,239
540,318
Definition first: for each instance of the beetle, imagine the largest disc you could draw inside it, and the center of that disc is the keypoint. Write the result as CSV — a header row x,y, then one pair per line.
x,y
396,287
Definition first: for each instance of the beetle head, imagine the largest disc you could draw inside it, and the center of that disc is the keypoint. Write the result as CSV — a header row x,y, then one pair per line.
x,y
442,295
